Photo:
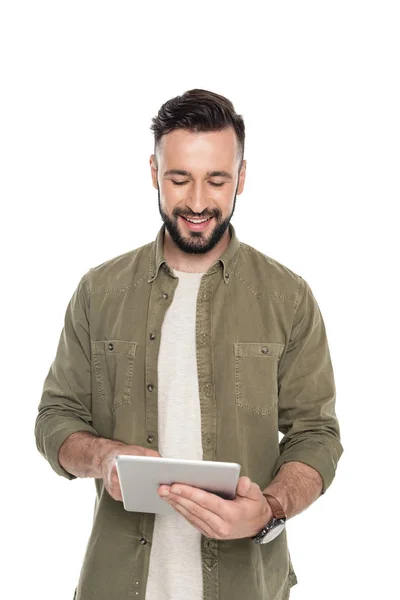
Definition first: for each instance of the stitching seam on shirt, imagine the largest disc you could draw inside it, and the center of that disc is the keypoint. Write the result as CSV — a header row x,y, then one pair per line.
x,y
115,289
271,293
257,410
297,296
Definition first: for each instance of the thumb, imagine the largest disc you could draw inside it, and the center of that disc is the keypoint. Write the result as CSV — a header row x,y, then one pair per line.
x,y
244,487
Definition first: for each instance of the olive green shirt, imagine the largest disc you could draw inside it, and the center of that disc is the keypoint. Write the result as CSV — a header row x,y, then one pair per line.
x,y
264,367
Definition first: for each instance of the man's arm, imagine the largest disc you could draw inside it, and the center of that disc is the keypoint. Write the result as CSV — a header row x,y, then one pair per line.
x,y
296,486
82,453
66,402
310,448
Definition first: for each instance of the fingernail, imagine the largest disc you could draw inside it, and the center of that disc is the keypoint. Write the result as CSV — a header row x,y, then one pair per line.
x,y
164,493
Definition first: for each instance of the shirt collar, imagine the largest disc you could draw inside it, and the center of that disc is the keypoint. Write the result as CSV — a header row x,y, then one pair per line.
x,y
227,259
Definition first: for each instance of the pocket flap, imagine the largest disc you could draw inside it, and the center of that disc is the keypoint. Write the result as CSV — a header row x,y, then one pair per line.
x,y
261,349
114,347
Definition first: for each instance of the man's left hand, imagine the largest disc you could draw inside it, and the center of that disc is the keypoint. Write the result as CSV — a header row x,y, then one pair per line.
x,y
218,518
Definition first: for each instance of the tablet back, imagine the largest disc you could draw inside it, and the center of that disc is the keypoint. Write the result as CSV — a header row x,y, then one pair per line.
x,y
141,476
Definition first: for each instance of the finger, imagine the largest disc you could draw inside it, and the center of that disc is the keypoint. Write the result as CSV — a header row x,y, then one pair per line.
x,y
115,482
204,518
198,523
244,483
206,500
117,492
248,489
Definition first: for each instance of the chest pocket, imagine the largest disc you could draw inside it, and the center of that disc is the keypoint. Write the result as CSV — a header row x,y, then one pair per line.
x,y
256,375
113,362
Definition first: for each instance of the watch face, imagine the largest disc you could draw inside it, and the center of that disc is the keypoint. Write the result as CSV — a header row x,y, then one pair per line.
x,y
273,533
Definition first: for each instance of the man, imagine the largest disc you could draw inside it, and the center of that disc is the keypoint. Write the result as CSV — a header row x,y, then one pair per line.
x,y
193,346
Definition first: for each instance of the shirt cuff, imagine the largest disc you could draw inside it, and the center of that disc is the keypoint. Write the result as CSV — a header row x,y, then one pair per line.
x,y
54,440
322,459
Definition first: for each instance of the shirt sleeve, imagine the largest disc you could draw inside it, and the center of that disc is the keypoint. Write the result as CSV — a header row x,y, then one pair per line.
x,y
307,393
65,405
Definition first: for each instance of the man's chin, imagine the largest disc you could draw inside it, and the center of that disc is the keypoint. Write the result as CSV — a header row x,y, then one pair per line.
x,y
193,245
189,243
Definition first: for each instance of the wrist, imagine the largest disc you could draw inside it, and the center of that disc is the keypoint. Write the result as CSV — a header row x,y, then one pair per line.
x,y
100,450
274,520
277,492
267,514
265,517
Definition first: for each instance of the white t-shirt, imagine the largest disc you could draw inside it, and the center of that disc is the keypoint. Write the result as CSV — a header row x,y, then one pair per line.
x,y
175,569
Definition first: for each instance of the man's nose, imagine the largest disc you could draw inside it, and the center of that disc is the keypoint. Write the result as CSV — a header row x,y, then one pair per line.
x,y
198,200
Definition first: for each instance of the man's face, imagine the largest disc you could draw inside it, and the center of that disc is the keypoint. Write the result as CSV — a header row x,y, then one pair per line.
x,y
197,178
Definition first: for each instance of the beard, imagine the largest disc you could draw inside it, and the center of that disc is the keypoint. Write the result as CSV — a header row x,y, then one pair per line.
x,y
197,243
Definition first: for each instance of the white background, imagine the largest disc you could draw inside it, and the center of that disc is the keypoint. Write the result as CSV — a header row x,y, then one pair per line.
x,y
318,86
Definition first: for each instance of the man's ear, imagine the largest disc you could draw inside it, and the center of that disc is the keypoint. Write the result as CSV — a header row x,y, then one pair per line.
x,y
242,177
154,170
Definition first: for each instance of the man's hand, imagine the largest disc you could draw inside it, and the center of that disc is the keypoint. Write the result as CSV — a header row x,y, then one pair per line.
x,y
108,466
217,518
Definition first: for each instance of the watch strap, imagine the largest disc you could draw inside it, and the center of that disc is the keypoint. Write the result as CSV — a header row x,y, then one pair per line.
x,y
277,508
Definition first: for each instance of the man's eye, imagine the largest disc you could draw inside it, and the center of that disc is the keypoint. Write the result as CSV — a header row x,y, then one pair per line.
x,y
210,182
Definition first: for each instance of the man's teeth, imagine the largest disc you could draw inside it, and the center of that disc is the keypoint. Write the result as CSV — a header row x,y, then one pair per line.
x,y
198,221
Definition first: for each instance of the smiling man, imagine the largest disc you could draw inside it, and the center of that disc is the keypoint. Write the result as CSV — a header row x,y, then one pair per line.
x,y
195,346
197,202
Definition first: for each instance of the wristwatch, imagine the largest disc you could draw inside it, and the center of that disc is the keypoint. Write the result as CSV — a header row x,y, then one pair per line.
x,y
275,526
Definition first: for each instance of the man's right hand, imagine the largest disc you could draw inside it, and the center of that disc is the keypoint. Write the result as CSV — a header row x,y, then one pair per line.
x,y
108,466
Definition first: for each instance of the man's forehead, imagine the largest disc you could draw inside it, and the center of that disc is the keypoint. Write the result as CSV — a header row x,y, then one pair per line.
x,y
215,149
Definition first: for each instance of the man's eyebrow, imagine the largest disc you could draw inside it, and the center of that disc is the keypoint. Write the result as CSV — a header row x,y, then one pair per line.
x,y
219,174
188,174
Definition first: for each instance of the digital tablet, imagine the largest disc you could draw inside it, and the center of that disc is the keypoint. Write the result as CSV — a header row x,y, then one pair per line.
x,y
141,476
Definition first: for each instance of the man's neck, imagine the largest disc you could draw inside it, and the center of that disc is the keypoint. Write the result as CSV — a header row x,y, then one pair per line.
x,y
193,263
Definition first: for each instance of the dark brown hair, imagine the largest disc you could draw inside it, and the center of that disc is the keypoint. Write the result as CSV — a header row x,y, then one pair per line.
x,y
198,110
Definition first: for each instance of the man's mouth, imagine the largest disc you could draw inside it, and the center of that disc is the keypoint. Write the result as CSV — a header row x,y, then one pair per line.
x,y
197,220
196,224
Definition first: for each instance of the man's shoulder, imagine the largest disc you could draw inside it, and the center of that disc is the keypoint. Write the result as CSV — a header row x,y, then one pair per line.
x,y
267,273
120,272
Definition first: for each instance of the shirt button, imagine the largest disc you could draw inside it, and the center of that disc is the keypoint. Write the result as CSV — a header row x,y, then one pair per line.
x,y
150,387
143,541
207,389
150,438
265,350
152,336
208,440
227,275
165,296
111,346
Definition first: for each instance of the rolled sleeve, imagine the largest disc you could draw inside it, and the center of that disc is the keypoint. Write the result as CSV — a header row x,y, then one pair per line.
x,y
307,394
65,405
